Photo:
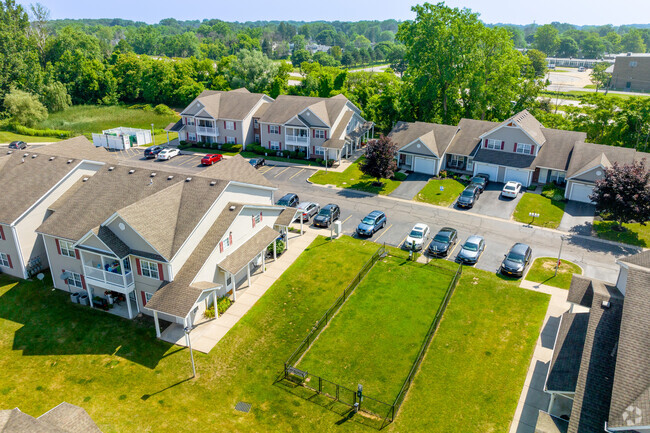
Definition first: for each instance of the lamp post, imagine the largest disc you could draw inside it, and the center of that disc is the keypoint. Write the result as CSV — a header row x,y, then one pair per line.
x,y
534,215
153,137
557,264
189,344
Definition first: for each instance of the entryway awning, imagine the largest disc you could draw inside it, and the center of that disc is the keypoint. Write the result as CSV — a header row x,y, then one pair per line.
x,y
245,254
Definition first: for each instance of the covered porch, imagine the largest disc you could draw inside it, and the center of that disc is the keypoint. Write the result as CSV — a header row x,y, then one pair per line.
x,y
361,134
459,163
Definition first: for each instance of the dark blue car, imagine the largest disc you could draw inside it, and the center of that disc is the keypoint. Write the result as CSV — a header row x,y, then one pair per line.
x,y
374,221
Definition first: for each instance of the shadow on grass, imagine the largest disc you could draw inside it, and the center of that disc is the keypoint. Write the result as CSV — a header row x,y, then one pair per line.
x,y
608,230
146,397
52,325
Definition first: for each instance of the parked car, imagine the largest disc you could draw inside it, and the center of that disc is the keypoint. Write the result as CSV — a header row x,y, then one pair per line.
x,y
17,145
581,69
257,162
480,181
152,151
372,222
467,198
168,153
471,250
515,262
415,239
211,158
309,209
327,215
443,242
511,189
289,200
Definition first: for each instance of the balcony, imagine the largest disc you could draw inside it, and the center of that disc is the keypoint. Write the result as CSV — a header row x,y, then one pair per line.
x,y
207,130
108,272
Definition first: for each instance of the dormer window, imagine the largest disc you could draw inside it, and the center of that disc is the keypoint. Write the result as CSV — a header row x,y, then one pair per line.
x,y
524,148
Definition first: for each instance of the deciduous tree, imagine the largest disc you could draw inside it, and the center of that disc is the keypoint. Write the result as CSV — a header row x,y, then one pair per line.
x,y
24,108
599,76
380,160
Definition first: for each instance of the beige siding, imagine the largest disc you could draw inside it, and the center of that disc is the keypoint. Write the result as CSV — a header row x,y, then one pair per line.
x,y
624,72
8,246
590,176
266,136
59,263
511,136
313,120
130,237
93,242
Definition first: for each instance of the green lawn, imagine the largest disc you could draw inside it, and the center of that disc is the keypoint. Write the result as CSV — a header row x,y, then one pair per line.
x,y
634,233
543,271
474,370
578,94
352,177
8,137
376,335
53,351
431,192
549,205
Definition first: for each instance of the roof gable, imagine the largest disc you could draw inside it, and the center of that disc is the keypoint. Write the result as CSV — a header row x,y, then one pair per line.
x,y
423,146
525,122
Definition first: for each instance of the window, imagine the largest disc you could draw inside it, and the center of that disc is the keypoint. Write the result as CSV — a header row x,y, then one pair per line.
x,y
256,124
493,144
319,150
230,124
149,269
190,121
258,218
191,136
257,138
127,265
75,280
633,64
4,260
275,145
456,160
226,242
231,140
67,249
319,133
147,297
523,148
274,129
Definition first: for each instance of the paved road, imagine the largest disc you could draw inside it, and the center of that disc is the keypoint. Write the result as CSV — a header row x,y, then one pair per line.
x,y
597,258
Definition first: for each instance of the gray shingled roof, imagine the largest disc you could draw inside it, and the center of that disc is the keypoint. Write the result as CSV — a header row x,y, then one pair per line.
x,y
550,424
178,297
585,155
509,159
528,123
567,353
79,148
237,169
468,136
286,217
641,259
582,289
15,421
234,104
436,137
287,106
111,240
175,127
238,259
630,405
556,152
70,418
337,139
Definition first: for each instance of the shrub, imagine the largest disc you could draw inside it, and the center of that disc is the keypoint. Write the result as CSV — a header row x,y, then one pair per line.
x,y
163,109
301,155
232,147
255,148
23,130
320,161
399,176
443,173
223,304
279,246
24,108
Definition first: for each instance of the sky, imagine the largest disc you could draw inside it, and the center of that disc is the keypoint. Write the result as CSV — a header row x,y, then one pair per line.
x,y
578,12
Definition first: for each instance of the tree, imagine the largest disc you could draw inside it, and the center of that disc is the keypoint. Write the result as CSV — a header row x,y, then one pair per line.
x,y
41,15
300,56
547,39
55,97
24,108
325,59
623,194
568,47
336,52
592,46
252,70
599,76
633,42
380,160
538,62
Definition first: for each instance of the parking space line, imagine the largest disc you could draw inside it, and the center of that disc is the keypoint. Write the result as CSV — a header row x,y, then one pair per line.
x,y
282,172
301,170
402,242
266,169
382,233
346,219
189,160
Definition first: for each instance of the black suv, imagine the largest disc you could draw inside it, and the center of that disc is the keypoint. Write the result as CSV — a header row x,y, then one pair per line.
x,y
17,145
289,200
468,197
327,215
480,181
152,151
257,162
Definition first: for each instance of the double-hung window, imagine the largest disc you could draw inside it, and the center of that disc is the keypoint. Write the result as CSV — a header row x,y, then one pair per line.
x,y
319,133
274,129
75,280
523,148
320,150
67,249
149,269
493,144
231,140
4,260
230,124
256,123
275,145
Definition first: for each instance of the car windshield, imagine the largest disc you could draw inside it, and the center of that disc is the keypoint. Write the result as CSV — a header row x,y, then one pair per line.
x,y
470,246
253,161
468,193
416,233
368,220
324,211
441,238
509,188
515,257
478,180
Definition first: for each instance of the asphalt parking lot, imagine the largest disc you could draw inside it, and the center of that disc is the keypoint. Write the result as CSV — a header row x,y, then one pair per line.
x,y
185,161
491,203
281,173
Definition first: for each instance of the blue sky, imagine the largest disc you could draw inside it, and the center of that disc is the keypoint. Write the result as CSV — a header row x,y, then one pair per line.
x,y
492,11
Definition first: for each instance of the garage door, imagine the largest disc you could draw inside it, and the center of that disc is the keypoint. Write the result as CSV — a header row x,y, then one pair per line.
x,y
581,192
490,170
516,175
424,165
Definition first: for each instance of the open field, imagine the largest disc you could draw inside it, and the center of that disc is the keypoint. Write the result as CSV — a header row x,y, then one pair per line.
x,y
127,380
375,337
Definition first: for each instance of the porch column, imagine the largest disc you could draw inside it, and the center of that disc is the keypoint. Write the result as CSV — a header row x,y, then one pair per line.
x,y
301,226
234,287
90,295
187,337
137,305
264,260
275,247
248,273
155,321
128,306
214,302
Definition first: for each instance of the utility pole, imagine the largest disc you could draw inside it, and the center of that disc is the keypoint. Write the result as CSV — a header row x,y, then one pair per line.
x,y
189,344
559,254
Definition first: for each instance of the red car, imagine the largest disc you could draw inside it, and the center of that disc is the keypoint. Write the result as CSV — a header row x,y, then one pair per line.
x,y
211,159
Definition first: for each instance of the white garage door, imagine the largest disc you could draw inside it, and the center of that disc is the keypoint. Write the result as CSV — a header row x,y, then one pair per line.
x,y
516,175
581,192
490,170
424,165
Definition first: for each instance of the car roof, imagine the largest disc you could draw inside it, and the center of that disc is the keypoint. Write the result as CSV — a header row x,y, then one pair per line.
x,y
512,182
447,229
375,213
305,204
420,226
519,248
475,239
470,187
289,195
329,206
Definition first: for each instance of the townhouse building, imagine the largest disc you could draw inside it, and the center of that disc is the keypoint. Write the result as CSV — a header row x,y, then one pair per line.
x,y
33,181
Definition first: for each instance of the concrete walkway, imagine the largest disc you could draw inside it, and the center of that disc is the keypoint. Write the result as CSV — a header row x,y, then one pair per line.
x,y
533,398
411,186
207,333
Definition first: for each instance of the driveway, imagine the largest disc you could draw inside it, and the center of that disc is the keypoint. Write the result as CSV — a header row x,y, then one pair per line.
x,y
491,203
412,185
578,218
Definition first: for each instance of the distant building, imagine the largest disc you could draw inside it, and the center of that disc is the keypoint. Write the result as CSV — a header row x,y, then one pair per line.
x,y
122,138
631,72
573,62
314,48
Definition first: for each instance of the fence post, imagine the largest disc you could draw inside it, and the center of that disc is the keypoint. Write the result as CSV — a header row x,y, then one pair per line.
x,y
320,385
337,392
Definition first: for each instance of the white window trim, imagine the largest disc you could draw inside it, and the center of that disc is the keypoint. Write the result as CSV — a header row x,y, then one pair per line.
x,y
274,129
230,140
150,271
319,150
4,260
522,146
147,297
67,249
225,242
190,121
493,144
319,133
275,145
191,136
230,125
75,280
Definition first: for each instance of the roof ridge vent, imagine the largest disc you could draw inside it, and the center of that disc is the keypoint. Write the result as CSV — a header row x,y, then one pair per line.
x,y
25,155
34,155
131,171
213,183
85,179
232,207
9,152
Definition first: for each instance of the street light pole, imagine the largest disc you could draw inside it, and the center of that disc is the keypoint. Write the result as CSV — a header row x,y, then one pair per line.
x,y
153,137
189,344
557,264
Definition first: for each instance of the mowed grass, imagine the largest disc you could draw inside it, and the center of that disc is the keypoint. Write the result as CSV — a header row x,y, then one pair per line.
x,y
352,177
472,376
549,205
376,335
634,233
543,271
8,137
432,194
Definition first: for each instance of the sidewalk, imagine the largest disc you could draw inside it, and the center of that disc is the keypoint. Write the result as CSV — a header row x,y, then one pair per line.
x,y
533,398
208,333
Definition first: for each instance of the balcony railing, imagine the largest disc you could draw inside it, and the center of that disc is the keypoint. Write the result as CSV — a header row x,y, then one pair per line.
x,y
297,140
207,130
109,278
